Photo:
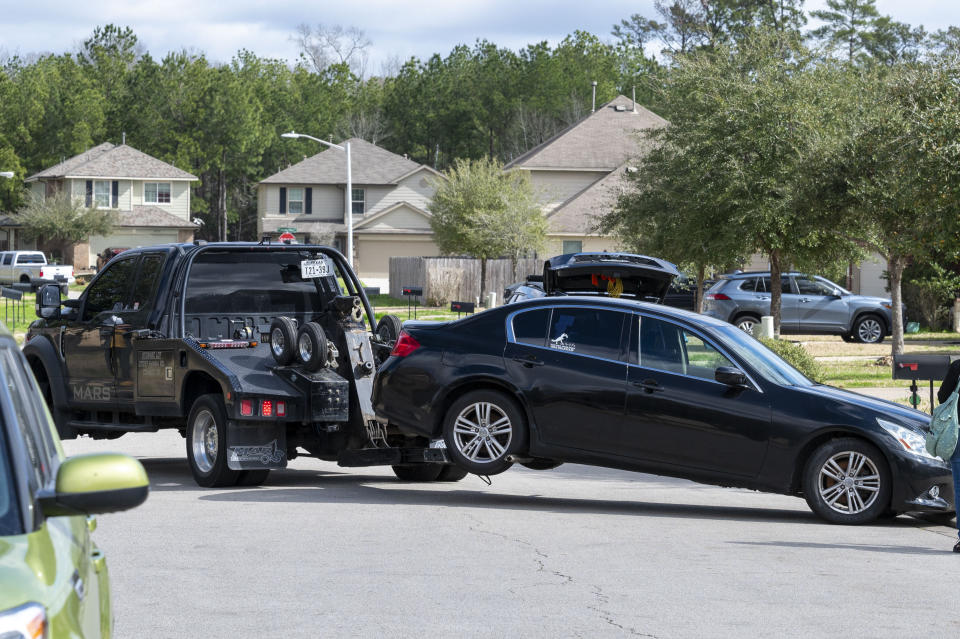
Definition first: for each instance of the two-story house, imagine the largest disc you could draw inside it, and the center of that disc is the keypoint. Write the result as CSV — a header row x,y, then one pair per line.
x,y
389,204
150,198
578,173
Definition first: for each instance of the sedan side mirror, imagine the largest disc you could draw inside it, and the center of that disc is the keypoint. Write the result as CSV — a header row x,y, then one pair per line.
x,y
95,484
730,376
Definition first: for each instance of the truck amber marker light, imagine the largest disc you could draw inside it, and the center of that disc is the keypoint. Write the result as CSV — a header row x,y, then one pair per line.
x,y
228,343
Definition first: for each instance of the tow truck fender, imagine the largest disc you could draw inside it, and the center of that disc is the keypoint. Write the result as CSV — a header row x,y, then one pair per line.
x,y
41,349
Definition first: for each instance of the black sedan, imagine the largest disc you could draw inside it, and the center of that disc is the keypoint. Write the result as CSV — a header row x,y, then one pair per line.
x,y
643,387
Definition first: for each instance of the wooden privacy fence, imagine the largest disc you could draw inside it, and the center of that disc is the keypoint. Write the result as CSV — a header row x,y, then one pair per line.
x,y
447,279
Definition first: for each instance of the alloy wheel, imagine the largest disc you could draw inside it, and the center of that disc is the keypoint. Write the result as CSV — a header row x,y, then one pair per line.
x,y
205,443
869,331
746,324
482,432
849,482
306,348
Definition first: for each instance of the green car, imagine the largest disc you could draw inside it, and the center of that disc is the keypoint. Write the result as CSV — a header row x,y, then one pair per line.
x,y
53,578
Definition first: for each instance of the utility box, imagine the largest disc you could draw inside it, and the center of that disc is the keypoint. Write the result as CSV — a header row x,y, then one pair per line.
x,y
926,366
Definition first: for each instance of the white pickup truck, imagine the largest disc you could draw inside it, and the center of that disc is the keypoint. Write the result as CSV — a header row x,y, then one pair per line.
x,y
30,267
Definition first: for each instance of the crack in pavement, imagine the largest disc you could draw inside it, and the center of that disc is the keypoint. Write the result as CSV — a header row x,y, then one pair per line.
x,y
607,616
539,559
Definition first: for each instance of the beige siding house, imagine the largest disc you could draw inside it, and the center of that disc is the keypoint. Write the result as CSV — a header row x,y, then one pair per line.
x,y
389,203
578,173
151,199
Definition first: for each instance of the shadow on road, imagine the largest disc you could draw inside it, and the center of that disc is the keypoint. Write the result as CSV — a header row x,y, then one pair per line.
x,y
318,486
898,550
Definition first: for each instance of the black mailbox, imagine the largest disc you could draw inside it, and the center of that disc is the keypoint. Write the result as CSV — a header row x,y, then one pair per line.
x,y
462,307
927,366
416,291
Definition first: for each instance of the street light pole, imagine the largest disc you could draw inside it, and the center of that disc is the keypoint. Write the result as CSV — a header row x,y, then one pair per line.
x,y
347,196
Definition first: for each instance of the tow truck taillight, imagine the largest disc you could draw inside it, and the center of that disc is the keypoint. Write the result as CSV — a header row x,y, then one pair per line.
x,y
716,296
281,409
266,408
405,345
246,407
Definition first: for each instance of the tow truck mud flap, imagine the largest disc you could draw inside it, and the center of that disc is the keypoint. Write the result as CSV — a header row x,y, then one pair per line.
x,y
255,446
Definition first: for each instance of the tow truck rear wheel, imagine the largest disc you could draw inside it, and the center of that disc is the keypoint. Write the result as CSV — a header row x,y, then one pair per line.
x,y
207,443
417,472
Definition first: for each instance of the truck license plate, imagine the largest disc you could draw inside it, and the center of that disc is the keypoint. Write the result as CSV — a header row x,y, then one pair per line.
x,y
310,269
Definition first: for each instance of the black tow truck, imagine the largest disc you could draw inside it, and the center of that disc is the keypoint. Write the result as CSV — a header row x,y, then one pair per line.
x,y
256,353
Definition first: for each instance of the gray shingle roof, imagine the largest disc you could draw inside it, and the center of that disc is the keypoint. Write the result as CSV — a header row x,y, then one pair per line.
x,y
579,213
111,161
152,216
603,140
370,165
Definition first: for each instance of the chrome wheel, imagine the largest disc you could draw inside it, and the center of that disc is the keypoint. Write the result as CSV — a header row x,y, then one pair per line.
x,y
305,346
482,432
277,342
205,443
849,482
869,330
746,324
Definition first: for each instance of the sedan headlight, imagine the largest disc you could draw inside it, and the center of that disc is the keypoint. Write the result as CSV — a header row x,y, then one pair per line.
x,y
912,441
28,621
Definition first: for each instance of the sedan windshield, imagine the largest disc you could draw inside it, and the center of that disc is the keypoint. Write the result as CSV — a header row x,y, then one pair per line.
x,y
762,359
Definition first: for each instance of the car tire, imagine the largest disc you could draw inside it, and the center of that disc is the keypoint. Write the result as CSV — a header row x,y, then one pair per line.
x,y
746,323
472,444
256,477
207,443
283,340
452,473
311,346
868,329
834,494
417,472
388,328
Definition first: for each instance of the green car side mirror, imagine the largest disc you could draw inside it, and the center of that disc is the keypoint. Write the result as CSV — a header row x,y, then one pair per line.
x,y
96,483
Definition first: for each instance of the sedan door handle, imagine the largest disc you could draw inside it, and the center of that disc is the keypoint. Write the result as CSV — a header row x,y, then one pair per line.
x,y
649,385
529,362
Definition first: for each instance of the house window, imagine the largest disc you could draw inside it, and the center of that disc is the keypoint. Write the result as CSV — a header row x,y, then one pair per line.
x,y
156,193
101,194
295,201
357,201
572,246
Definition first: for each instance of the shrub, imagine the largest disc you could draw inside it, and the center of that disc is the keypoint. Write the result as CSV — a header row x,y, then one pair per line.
x,y
797,356
443,287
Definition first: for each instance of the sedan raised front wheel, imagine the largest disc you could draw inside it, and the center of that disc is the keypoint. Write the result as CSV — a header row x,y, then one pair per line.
x,y
481,429
847,481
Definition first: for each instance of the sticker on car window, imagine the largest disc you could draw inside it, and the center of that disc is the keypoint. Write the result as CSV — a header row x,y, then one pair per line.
x,y
561,343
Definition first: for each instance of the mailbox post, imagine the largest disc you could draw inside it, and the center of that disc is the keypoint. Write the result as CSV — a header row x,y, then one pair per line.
x,y
916,366
411,292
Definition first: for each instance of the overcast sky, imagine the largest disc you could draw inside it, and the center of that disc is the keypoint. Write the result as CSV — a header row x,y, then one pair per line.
x,y
396,28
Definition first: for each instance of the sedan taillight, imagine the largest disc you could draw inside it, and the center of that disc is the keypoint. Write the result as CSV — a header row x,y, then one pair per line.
x,y
405,345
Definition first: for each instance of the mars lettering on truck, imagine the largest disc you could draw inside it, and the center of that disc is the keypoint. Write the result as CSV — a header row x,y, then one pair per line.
x,y
254,352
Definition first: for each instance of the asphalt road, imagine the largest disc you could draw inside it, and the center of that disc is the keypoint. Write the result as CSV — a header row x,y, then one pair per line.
x,y
323,551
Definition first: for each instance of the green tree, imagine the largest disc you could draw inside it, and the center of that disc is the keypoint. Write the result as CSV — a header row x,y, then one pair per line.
x,y
63,220
895,180
847,24
748,128
480,210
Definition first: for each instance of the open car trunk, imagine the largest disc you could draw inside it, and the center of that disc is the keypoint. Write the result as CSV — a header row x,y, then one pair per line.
x,y
608,274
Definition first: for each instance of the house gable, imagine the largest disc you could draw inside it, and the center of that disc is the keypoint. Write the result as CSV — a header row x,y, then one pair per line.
x,y
402,216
